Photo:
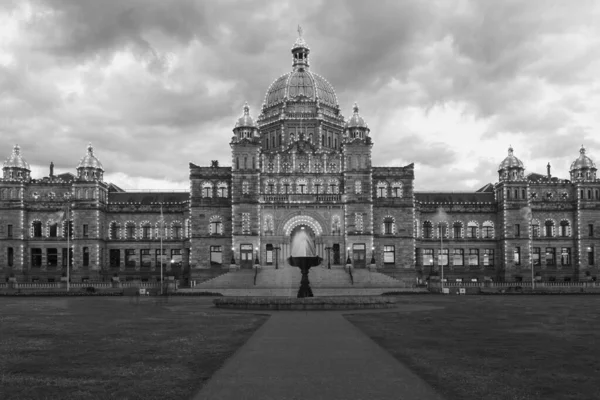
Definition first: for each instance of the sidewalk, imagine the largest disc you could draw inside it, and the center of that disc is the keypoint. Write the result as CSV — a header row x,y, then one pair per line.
x,y
313,355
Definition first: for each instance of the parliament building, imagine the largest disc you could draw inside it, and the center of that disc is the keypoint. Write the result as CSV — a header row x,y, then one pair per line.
x,y
300,165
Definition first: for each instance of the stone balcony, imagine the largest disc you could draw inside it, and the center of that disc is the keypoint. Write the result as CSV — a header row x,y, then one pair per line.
x,y
300,198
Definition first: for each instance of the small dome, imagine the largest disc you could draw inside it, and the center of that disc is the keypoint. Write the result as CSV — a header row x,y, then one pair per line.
x,y
246,121
510,161
90,160
356,121
583,161
15,160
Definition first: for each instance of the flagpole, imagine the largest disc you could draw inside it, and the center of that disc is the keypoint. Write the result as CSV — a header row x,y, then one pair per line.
x,y
162,228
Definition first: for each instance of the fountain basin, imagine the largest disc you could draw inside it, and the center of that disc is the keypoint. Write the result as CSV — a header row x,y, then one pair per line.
x,y
306,303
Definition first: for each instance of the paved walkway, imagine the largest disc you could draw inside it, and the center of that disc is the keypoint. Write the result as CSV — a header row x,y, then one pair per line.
x,y
313,355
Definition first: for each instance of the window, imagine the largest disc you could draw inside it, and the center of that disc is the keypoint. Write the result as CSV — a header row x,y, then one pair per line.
x,y
130,258
488,257
523,196
286,187
550,256
270,187
488,230
85,230
245,187
130,231
443,257
114,256
590,251
302,186
427,257
53,229
86,257
216,228
457,230
388,226
397,189
358,222
176,232
317,186
508,194
389,253
590,229
565,229
549,228
517,230
176,258
381,189
10,256
36,257
207,189
565,256
222,189
458,257
52,257
146,232
517,255
427,230
158,258
37,229
535,229
216,255
473,257
536,256
114,230
9,231
472,230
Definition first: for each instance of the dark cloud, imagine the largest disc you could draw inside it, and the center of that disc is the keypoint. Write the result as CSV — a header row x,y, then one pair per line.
x,y
523,69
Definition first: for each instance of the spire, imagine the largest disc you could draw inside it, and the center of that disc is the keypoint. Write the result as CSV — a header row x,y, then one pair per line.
x,y
246,109
582,151
90,149
17,150
355,108
510,150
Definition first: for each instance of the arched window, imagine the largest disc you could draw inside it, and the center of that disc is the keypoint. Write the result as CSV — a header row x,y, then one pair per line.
x,y
565,228
487,230
382,189
216,225
549,228
36,229
286,186
457,230
472,230
113,231
245,187
397,189
222,189
270,187
357,187
389,225
130,230
302,186
318,186
176,230
207,189
427,230
535,228
146,230
52,229
332,186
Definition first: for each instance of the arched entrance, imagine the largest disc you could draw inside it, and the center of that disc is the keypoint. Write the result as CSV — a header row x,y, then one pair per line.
x,y
302,242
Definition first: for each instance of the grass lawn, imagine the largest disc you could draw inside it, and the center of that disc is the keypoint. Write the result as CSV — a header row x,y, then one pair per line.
x,y
497,347
109,348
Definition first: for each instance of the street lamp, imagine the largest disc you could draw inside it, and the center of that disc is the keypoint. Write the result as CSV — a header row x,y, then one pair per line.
x,y
256,261
348,261
328,249
232,262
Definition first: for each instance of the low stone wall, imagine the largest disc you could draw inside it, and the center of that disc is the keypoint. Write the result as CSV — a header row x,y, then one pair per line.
x,y
292,292
311,303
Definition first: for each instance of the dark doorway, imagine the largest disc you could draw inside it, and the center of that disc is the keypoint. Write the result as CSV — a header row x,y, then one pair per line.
x,y
359,253
246,258
336,254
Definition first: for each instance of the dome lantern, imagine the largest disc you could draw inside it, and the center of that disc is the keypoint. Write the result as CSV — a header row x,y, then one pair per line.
x,y
15,166
356,127
89,167
300,52
245,127
583,168
511,168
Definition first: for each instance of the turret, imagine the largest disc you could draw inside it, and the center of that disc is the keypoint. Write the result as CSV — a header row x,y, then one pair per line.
x,y
15,166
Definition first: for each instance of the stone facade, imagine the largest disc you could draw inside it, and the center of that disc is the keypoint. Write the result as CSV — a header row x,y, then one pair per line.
x,y
300,165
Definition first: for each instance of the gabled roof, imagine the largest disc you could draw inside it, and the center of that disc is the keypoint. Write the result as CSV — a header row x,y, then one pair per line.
x,y
455,197
486,189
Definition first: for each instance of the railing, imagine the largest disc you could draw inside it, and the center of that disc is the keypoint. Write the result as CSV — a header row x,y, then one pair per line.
x,y
77,285
514,284
310,198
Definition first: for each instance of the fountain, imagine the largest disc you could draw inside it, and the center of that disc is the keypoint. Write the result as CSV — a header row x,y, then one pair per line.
x,y
303,257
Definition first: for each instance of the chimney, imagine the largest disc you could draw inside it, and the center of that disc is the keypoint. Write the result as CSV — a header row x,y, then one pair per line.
x,y
548,168
51,169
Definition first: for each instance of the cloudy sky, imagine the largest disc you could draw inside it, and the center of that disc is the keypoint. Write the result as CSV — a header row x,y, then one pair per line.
x,y
156,84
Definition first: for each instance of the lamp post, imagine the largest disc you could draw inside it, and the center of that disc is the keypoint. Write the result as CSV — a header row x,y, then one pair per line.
x,y
348,260
328,249
276,256
373,257
232,262
256,261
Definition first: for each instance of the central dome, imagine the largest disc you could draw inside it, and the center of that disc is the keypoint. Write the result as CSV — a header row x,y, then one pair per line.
x,y
301,84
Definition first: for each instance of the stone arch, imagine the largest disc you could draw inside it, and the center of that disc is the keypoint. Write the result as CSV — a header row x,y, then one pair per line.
x,y
301,219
